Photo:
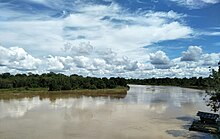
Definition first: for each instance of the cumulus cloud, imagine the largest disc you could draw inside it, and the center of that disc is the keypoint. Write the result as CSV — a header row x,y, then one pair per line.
x,y
18,58
54,64
84,48
160,59
192,54
107,63
108,55
83,62
116,65
131,66
210,59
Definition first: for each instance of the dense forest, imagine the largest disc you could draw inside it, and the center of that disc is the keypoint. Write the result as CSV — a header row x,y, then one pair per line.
x,y
183,82
55,82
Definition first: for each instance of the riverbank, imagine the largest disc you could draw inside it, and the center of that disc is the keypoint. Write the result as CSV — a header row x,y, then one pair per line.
x,y
15,93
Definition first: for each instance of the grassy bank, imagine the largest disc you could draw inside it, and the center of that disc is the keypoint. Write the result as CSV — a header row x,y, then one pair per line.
x,y
17,93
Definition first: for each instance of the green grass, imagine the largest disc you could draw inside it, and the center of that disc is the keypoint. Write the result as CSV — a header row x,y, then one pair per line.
x,y
23,89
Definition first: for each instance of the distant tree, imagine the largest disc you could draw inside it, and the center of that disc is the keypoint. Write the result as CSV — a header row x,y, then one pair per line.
x,y
66,85
6,84
6,75
74,82
100,84
54,86
92,87
110,84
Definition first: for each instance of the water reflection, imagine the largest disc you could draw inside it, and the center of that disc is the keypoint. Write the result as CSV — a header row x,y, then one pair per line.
x,y
17,108
146,112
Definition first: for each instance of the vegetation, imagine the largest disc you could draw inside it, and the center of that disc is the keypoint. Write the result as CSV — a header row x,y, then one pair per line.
x,y
54,86
200,83
7,94
58,82
214,90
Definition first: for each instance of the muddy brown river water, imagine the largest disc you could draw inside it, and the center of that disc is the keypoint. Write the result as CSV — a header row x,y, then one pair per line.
x,y
146,112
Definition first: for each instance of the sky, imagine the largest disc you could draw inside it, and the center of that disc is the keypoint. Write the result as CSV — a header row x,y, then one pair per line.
x,y
110,38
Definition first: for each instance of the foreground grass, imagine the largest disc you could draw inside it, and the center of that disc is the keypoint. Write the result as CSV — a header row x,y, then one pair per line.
x,y
16,93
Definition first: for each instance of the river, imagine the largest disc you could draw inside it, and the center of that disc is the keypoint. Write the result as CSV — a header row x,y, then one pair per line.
x,y
146,112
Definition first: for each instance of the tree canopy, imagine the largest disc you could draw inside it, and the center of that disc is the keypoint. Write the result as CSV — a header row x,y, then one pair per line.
x,y
56,82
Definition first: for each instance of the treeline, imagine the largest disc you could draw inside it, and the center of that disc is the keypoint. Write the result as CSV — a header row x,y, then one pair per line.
x,y
182,82
55,82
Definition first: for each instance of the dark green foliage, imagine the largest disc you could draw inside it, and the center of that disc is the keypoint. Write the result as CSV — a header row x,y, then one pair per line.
x,y
5,83
5,75
57,82
92,87
109,83
184,82
214,90
65,85
54,86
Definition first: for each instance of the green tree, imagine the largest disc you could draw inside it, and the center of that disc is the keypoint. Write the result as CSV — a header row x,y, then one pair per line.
x,y
214,90
54,86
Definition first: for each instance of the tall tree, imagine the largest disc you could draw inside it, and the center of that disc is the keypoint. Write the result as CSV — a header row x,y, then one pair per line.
x,y
214,90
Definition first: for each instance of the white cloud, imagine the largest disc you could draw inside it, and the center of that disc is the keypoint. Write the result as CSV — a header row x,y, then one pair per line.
x,y
131,66
192,54
83,48
195,64
34,36
54,64
211,1
213,33
160,60
97,40
170,14
210,59
18,108
122,31
83,62
195,4
108,63
18,58
104,26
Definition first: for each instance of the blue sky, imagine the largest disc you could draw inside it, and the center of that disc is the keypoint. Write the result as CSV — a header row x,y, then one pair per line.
x,y
126,38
